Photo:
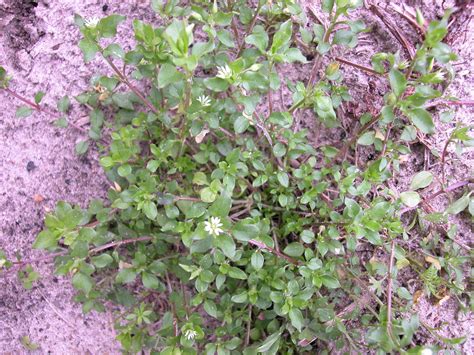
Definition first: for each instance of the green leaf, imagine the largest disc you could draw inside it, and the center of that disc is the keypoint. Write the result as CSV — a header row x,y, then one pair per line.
x,y
421,180
216,84
268,342
437,30
237,273
200,178
241,124
258,38
225,38
279,150
207,195
221,206
63,104
125,276
107,162
422,120
307,236
408,134
368,138
82,282
28,344
210,308
459,205
294,55
387,114
179,36
327,5
225,243
398,83
330,281
150,280
3,74
282,36
108,25
123,100
168,74
257,260
39,96
297,319
89,49
410,198
240,297
315,264
404,293
244,231
114,50
124,170
283,179
325,110
45,240
82,147
345,37
23,111
102,261
283,200
294,249
150,210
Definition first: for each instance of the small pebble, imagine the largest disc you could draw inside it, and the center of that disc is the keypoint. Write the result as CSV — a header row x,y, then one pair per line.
x,y
30,166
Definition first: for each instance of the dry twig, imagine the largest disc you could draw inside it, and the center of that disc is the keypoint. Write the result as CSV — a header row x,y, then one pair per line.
x,y
394,30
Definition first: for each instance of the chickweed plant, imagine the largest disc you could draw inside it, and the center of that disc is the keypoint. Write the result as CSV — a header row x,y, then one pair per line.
x,y
225,230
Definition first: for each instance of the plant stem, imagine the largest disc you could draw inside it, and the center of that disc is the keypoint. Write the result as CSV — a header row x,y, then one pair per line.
x,y
358,66
443,160
262,245
249,29
249,324
93,251
41,109
389,290
135,90
119,244
22,99
450,188
356,136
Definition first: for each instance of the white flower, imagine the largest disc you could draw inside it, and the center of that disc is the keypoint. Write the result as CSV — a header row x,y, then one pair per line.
x,y
204,100
337,250
91,22
426,351
439,76
213,226
353,3
190,334
224,72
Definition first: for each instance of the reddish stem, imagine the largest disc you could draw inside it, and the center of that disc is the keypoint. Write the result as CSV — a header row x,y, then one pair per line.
x,y
137,92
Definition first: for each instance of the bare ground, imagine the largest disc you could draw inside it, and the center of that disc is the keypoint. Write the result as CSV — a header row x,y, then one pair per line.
x,y
38,46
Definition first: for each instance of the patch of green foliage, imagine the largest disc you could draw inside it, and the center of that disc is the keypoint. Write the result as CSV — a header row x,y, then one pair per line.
x,y
226,231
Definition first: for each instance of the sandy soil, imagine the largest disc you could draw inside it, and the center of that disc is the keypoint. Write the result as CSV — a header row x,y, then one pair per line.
x,y
38,45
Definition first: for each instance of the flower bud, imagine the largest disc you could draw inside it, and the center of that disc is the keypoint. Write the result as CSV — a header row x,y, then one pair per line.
x,y
420,20
391,99
332,69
